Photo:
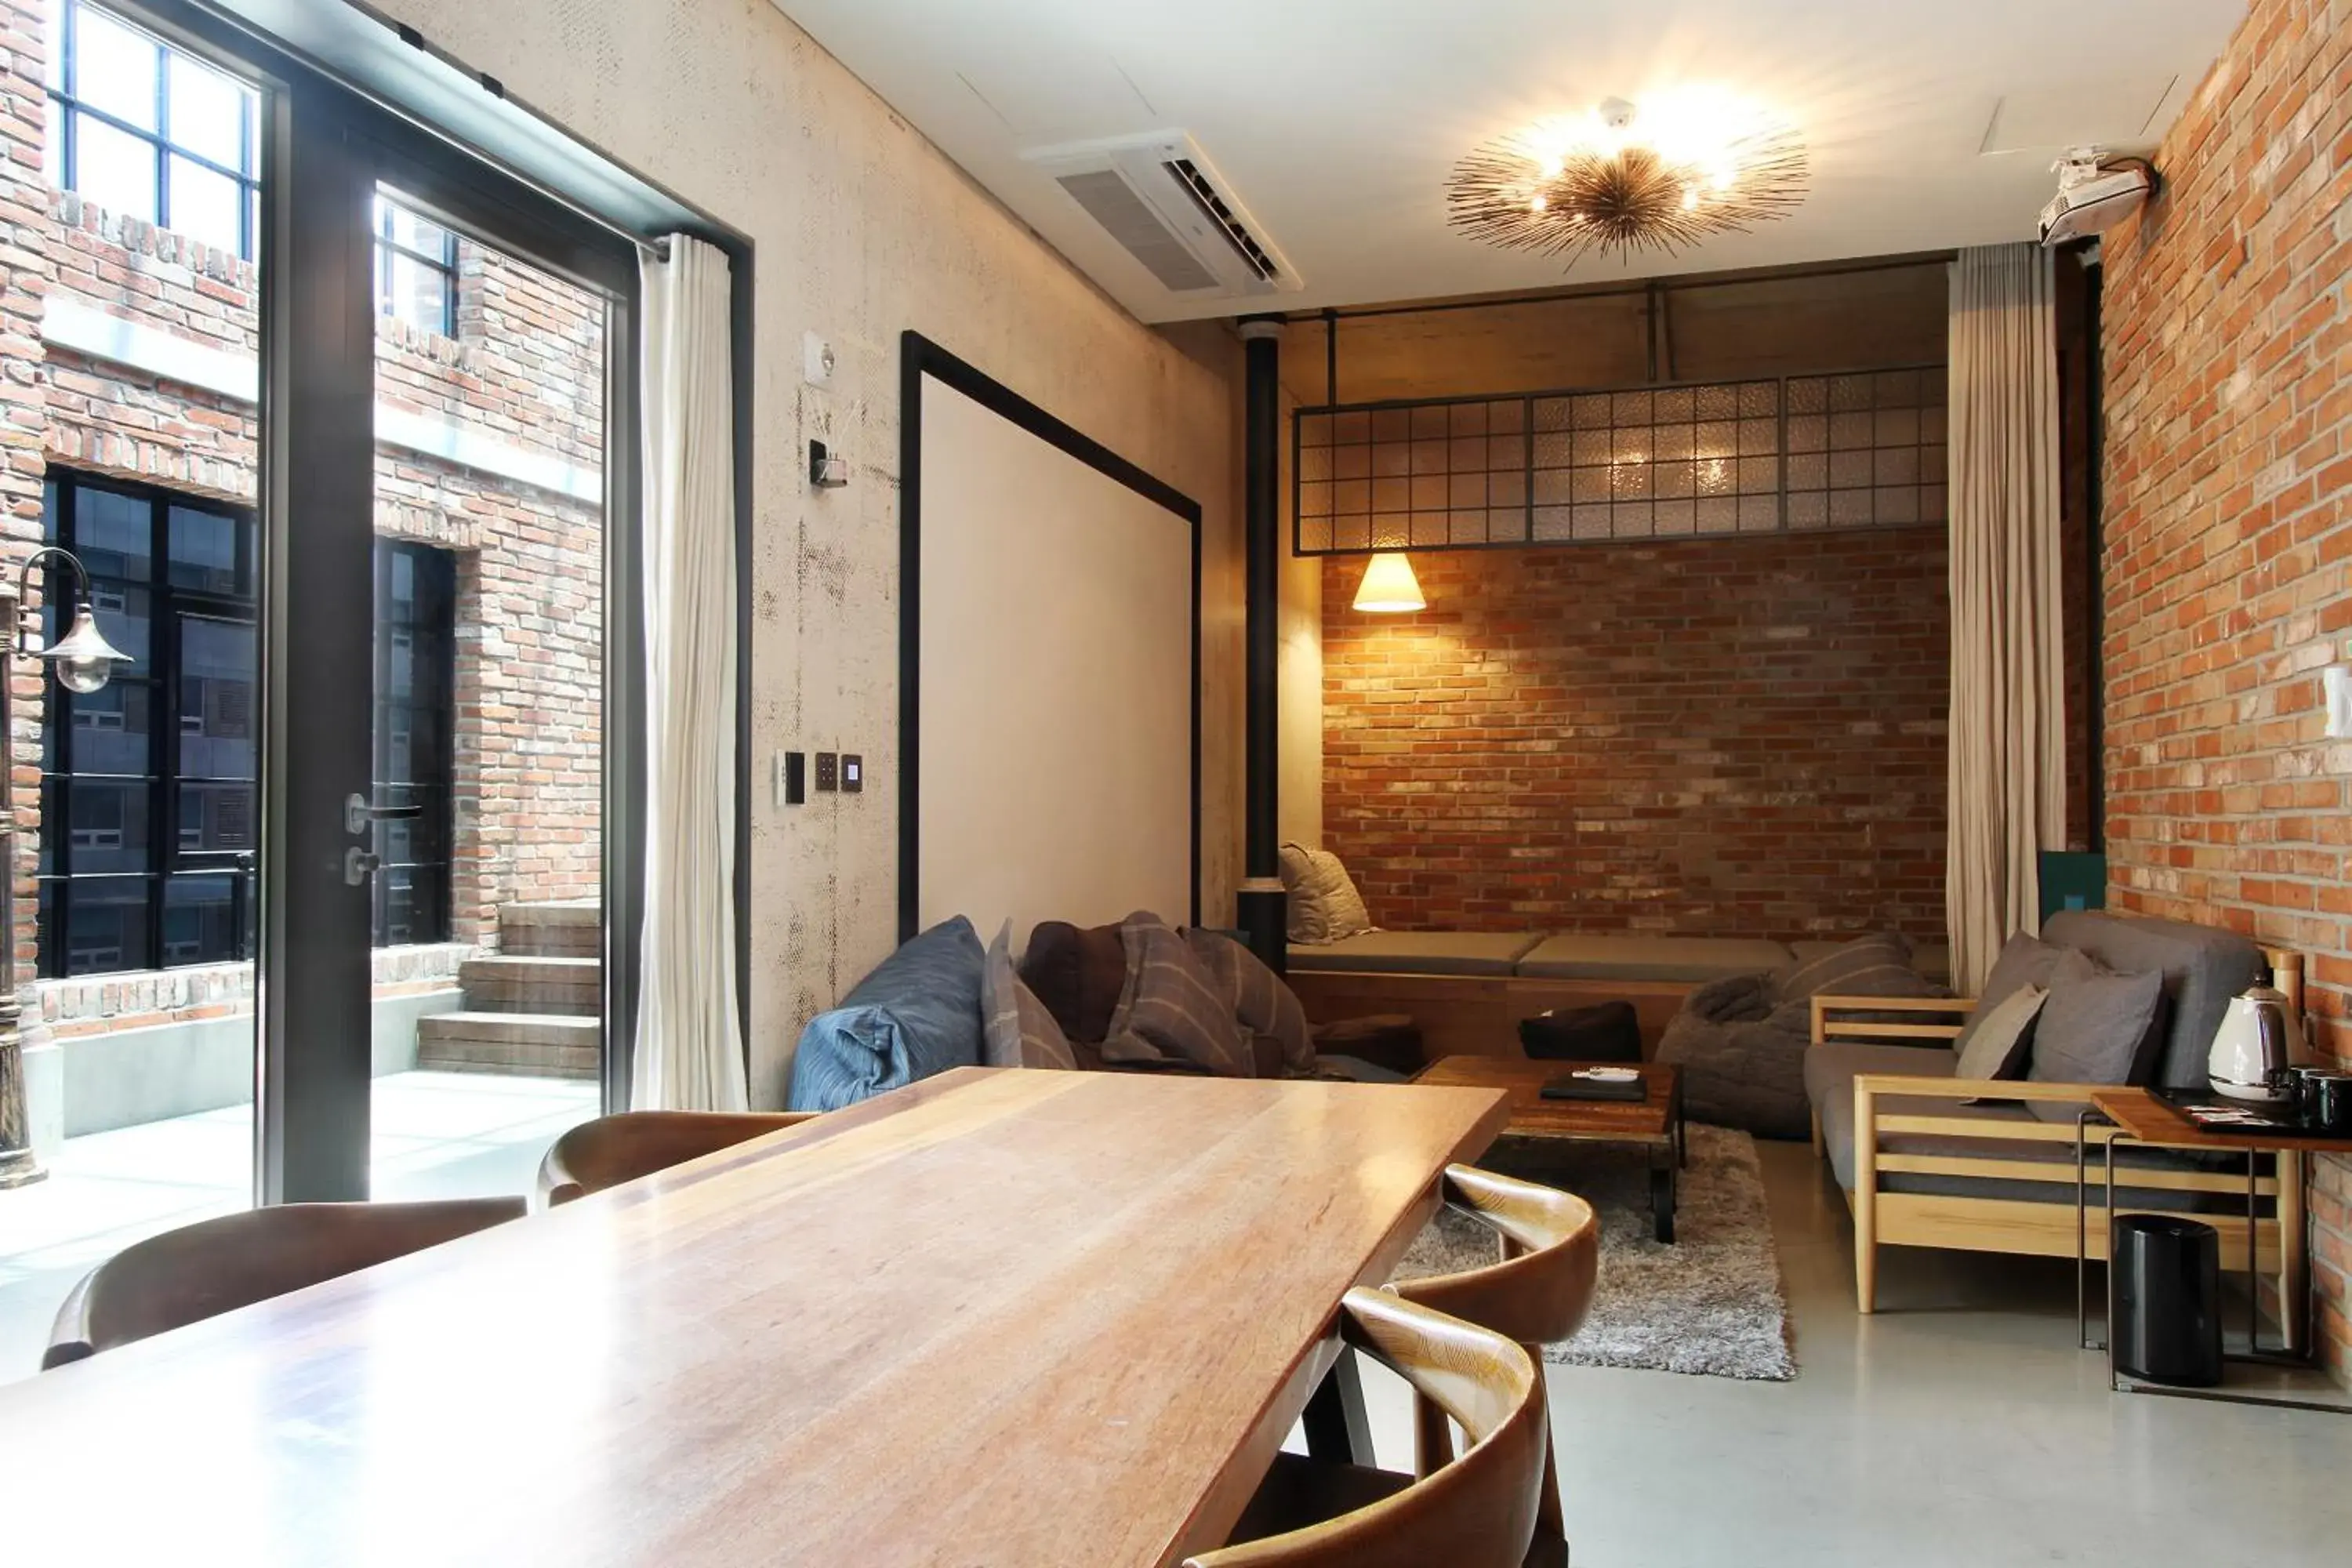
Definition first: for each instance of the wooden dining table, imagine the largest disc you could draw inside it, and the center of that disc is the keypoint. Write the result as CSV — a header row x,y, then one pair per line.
x,y
1012,1317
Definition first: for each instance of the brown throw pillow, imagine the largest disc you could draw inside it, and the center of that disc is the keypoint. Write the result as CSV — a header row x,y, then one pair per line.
x,y
1172,1006
2095,1027
1262,1004
1078,973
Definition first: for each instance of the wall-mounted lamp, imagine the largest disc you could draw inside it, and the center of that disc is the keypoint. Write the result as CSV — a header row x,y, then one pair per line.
x,y
827,470
83,661
1388,587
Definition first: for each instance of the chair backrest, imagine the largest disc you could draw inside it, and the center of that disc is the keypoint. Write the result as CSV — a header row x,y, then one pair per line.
x,y
1551,1254
1478,1512
620,1148
215,1266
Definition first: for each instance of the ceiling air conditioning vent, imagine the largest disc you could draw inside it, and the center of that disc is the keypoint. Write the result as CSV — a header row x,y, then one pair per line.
x,y
1167,207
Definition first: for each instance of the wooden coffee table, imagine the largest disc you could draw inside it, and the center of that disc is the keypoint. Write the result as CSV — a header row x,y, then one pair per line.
x,y
1655,1122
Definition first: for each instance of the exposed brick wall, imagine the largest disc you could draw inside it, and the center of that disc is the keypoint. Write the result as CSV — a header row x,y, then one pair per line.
x,y
1712,737
2229,527
526,368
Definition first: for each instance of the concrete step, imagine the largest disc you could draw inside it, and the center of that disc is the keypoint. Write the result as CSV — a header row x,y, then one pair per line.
x,y
510,984
566,929
543,1044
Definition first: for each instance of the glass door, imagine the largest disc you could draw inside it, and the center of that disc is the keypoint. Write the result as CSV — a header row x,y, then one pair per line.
x,y
488,754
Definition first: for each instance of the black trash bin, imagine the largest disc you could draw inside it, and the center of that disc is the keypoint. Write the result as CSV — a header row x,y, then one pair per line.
x,y
2165,1299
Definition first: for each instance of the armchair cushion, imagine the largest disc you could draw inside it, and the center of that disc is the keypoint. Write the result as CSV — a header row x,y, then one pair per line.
x,y
2000,1037
2097,1027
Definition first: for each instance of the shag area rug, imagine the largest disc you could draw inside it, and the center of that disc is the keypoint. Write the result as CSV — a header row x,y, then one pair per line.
x,y
1709,1304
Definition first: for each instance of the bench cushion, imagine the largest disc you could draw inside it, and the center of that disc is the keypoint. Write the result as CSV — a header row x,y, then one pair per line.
x,y
1577,956
1417,952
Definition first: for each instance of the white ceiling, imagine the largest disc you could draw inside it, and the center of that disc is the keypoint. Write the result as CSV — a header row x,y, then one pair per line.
x,y
1334,122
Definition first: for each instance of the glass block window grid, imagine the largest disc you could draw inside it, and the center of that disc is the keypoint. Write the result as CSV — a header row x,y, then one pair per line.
x,y
1799,453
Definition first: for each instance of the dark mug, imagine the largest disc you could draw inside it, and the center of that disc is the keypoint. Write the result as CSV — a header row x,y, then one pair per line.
x,y
2302,1092
2331,1104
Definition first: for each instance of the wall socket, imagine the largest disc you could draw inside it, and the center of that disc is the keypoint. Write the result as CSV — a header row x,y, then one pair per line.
x,y
828,771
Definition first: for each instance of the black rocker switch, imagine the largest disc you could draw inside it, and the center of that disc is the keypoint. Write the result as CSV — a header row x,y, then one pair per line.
x,y
828,771
853,774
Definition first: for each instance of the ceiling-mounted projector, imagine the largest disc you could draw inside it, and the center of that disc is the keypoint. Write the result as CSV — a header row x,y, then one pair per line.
x,y
2095,196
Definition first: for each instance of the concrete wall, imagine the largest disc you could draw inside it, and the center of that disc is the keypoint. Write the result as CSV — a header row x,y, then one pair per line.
x,y
862,229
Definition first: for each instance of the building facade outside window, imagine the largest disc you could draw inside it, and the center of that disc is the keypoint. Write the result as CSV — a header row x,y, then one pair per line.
x,y
147,131
148,786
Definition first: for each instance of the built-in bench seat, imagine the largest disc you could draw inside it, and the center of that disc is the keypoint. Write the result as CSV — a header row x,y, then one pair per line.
x,y
1417,952
1692,960
1933,960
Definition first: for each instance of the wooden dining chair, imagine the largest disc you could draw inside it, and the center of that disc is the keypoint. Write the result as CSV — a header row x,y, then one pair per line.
x,y
1477,1511
632,1144
214,1265
1537,1295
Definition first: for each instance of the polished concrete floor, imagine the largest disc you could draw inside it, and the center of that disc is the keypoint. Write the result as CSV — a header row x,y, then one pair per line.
x,y
436,1134
1957,1426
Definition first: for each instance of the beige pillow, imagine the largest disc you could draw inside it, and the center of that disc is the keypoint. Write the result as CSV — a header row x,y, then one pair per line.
x,y
2003,1032
1324,906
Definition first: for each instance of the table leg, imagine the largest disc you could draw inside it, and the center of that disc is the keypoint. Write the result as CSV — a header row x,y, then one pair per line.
x,y
2113,1139
2082,1226
1662,1196
1337,1429
2255,1260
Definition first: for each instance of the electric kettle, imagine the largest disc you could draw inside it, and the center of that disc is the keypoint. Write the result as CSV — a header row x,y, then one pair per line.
x,y
2259,1039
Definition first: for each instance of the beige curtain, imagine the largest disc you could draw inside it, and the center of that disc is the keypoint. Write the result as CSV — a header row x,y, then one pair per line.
x,y
2008,719
689,1046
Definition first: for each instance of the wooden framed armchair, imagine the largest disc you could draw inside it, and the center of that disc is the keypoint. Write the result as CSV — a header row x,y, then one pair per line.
x,y
1926,1159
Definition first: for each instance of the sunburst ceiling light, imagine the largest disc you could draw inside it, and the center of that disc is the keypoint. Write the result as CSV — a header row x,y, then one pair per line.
x,y
1684,166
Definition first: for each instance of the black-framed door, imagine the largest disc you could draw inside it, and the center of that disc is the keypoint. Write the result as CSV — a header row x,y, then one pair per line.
x,y
424,787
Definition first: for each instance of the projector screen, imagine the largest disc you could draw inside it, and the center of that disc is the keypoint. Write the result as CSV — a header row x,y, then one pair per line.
x,y
1050,665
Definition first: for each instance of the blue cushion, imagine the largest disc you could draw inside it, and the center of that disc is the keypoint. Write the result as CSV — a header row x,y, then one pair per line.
x,y
915,1016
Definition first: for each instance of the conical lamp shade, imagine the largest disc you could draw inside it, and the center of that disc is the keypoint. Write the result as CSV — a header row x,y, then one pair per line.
x,y
1389,587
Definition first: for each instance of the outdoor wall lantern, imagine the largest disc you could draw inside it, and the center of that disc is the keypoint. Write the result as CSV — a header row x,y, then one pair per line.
x,y
83,662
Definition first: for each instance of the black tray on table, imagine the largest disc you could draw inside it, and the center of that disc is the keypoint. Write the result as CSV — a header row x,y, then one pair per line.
x,y
2257,1121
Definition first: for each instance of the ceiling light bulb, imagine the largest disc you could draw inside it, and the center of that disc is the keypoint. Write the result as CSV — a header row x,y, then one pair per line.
x,y
1553,168
1690,198
1537,203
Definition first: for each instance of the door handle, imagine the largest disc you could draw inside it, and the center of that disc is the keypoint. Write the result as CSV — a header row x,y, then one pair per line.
x,y
358,813
359,865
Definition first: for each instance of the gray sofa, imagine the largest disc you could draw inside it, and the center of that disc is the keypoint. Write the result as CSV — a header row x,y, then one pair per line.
x,y
1927,1160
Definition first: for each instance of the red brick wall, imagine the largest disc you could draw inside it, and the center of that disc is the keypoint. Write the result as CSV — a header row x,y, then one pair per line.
x,y
2229,526
526,368
1711,737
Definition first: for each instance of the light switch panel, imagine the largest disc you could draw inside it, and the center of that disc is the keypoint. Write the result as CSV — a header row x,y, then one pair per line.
x,y
828,771
853,773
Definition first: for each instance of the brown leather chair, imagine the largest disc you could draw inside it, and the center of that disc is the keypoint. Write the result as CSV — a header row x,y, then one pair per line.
x,y
1537,1295
620,1148
215,1266
1476,1511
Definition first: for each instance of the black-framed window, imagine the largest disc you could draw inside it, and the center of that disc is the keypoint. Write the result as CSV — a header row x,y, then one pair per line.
x,y
416,750
148,830
416,270
149,132
148,802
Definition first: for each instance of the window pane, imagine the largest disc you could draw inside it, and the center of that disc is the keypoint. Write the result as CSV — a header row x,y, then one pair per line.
x,y
113,169
417,293
113,729
114,534
204,548
207,111
215,818
405,229
107,930
114,67
216,701
53,12
206,206
53,144
200,921
105,826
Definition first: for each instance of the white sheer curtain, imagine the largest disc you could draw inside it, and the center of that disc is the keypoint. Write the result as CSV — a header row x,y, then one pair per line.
x,y
2008,719
690,1052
